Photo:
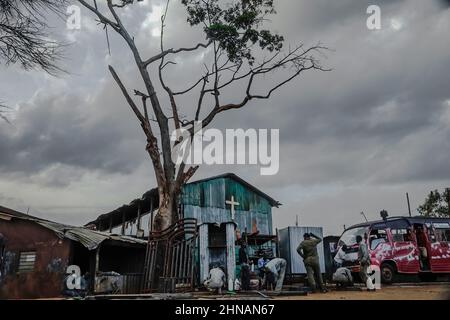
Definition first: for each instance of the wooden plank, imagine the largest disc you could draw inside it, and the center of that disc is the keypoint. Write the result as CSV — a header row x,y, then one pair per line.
x,y
123,223
204,252
138,218
231,255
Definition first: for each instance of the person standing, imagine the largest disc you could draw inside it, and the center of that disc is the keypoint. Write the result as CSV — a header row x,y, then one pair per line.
x,y
244,261
262,264
364,263
307,249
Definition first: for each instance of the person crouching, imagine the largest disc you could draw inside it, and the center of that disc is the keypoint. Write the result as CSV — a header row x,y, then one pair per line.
x,y
216,280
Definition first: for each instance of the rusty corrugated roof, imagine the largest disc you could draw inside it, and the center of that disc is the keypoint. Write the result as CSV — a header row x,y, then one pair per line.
x,y
91,239
150,199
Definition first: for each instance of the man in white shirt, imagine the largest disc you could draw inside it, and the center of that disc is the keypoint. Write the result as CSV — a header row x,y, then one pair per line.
x,y
216,280
339,258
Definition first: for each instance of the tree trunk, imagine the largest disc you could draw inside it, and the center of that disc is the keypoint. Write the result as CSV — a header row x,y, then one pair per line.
x,y
168,208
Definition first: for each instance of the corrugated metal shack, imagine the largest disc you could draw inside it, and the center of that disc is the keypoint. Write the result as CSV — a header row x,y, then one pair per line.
x,y
289,239
35,254
208,201
221,225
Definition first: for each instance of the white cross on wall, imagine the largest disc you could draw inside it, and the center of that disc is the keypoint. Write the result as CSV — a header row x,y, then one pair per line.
x,y
232,203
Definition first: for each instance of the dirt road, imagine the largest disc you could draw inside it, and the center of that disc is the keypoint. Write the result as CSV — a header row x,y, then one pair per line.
x,y
397,292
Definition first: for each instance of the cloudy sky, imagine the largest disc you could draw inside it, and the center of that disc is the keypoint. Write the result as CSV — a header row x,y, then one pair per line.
x,y
353,139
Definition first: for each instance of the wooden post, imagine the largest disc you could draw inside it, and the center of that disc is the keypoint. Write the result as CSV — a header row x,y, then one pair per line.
x,y
277,244
97,259
231,255
204,252
150,221
138,218
96,267
123,223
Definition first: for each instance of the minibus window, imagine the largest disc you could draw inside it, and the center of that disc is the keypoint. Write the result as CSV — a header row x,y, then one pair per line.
x,y
349,237
442,235
401,235
377,237
431,235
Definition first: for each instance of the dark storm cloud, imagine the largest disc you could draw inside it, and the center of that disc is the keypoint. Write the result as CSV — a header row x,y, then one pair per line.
x,y
373,111
57,129
381,117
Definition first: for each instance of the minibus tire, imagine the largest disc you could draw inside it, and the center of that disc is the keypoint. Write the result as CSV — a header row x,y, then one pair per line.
x,y
387,273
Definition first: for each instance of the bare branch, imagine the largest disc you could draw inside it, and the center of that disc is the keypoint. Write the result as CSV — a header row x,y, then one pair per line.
x,y
23,34
300,61
127,96
175,51
152,143
101,17
173,103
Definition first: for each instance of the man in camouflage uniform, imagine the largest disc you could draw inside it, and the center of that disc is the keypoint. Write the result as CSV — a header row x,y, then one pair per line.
x,y
308,251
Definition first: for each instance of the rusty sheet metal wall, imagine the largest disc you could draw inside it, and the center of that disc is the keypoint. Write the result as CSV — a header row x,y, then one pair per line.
x,y
289,239
52,258
205,201
213,193
248,200
205,194
244,219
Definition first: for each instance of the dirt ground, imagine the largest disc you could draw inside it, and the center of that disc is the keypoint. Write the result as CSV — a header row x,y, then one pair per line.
x,y
406,291
397,292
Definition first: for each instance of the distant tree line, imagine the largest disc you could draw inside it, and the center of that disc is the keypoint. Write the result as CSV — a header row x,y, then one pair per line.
x,y
437,204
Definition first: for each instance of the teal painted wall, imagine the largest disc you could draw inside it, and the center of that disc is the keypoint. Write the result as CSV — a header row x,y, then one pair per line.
x,y
205,201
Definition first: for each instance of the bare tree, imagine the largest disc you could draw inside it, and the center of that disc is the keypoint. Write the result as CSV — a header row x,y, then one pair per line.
x,y
233,32
23,36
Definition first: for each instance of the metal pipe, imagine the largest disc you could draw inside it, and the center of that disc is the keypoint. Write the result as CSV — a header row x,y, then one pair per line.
x,y
362,213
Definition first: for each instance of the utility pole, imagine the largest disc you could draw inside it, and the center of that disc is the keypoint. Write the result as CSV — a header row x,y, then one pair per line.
x,y
296,220
409,205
